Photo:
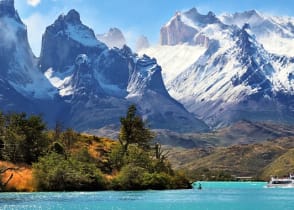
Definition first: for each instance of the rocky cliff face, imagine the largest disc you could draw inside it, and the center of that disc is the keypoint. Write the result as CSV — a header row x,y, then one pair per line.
x,y
235,76
64,40
275,33
78,80
100,82
23,86
184,28
17,60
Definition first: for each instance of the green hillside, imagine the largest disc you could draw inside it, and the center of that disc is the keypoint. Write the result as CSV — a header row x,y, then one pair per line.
x,y
242,132
282,166
257,160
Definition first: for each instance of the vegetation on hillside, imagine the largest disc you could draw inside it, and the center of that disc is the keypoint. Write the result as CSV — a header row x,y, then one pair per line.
x,y
259,160
33,158
280,167
66,160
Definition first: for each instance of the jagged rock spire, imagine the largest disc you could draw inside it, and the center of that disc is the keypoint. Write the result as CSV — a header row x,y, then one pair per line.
x,y
71,17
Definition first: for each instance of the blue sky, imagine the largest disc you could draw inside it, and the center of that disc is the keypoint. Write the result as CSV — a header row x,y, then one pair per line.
x,y
133,17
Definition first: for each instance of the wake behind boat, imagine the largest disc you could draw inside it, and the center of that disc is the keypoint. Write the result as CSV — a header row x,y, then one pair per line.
x,y
287,182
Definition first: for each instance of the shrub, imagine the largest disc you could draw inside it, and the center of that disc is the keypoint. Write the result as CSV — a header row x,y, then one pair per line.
x,y
157,181
129,178
54,173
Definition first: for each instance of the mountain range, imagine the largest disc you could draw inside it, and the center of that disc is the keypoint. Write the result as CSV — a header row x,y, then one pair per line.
x,y
79,81
208,72
225,68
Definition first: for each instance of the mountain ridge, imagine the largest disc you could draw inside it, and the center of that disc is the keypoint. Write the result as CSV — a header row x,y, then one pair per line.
x,y
234,77
78,76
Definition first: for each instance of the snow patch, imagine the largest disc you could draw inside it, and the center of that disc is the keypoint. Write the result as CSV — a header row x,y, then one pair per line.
x,y
61,81
82,34
174,59
187,21
278,45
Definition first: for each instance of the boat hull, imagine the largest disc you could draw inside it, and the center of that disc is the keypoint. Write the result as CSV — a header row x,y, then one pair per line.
x,y
280,185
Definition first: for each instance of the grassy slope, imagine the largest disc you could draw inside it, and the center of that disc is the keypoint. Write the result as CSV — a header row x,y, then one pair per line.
x,y
281,166
22,177
240,160
243,132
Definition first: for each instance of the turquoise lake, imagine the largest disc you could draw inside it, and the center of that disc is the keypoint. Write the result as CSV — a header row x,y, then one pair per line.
x,y
214,195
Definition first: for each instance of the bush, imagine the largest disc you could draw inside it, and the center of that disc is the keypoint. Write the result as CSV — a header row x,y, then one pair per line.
x,y
180,181
157,181
55,173
116,157
129,178
133,177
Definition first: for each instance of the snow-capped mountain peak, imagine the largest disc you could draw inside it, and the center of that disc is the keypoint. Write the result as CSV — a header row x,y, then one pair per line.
x,y
275,33
184,27
72,37
102,81
238,74
71,26
72,17
17,60
251,17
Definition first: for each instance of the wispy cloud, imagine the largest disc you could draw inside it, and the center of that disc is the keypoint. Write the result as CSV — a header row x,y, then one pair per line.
x,y
33,2
37,24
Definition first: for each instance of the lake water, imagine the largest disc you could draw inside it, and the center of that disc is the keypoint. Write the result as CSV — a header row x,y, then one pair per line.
x,y
214,195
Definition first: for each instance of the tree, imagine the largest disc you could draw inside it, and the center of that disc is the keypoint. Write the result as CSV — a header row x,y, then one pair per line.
x,y
57,130
35,141
69,136
23,138
133,131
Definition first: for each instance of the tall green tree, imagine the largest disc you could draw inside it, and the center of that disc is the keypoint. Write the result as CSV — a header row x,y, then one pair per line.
x,y
35,140
23,138
134,131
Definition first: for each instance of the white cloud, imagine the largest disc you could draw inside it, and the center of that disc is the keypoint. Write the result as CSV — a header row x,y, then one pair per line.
x,y
131,36
36,25
33,2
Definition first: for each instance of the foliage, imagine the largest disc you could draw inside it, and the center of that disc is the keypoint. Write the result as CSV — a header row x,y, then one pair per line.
x,y
180,181
54,173
157,181
68,138
141,165
58,148
23,137
129,178
141,170
66,160
133,177
133,131
116,157
138,157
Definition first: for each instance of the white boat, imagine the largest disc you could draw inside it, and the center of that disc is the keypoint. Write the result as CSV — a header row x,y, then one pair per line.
x,y
287,182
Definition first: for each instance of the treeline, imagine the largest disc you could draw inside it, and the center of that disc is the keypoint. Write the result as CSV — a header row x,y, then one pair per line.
x,y
67,160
